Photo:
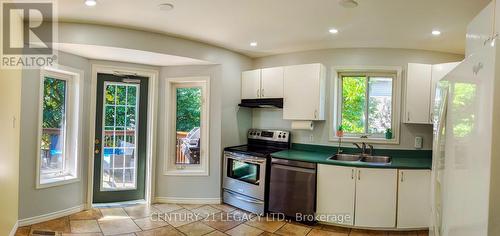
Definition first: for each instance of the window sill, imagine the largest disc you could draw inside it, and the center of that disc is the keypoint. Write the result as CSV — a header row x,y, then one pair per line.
x,y
186,172
56,181
366,140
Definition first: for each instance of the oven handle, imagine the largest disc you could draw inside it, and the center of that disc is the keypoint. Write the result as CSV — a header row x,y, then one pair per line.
x,y
244,199
240,158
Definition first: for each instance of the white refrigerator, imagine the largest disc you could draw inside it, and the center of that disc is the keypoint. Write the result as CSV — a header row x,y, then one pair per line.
x,y
466,162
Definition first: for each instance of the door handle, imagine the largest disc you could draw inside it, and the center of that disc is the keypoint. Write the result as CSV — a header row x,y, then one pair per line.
x,y
97,146
258,95
359,174
352,173
262,93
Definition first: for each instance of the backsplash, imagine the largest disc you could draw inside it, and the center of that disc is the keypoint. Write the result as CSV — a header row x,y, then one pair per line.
x,y
273,119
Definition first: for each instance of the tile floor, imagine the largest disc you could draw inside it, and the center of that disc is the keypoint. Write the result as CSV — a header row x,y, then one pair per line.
x,y
179,219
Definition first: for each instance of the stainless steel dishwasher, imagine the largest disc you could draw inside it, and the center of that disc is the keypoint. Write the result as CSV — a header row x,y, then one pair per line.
x,y
292,189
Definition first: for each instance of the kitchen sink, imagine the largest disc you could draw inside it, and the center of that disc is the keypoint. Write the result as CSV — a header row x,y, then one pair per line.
x,y
346,157
376,159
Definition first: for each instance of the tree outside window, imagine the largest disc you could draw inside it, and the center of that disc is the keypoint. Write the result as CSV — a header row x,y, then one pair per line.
x,y
366,104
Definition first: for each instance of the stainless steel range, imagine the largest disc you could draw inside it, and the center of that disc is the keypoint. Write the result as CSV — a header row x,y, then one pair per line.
x,y
246,169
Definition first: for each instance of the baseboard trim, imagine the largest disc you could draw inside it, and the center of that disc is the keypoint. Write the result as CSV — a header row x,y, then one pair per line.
x,y
182,200
51,216
14,229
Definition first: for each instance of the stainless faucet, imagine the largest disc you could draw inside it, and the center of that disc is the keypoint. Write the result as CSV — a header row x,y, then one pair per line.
x,y
363,148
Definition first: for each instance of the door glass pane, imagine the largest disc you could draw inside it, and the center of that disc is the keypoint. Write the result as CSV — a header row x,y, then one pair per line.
x,y
353,104
379,105
188,132
119,162
240,170
53,129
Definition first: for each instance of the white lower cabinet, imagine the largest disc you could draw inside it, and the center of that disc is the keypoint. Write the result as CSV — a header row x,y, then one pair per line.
x,y
414,199
368,194
376,197
336,191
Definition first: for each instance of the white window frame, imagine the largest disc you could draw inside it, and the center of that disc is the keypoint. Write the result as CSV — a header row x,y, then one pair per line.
x,y
73,125
170,167
336,91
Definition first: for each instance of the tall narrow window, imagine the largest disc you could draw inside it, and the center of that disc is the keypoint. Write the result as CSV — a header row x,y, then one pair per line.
x,y
57,159
366,104
187,132
187,125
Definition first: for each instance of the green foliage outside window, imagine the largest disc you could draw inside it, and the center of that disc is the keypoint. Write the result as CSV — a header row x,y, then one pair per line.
x,y
353,104
54,94
356,117
54,105
188,109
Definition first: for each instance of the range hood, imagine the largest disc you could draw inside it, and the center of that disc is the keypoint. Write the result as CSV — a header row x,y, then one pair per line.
x,y
262,103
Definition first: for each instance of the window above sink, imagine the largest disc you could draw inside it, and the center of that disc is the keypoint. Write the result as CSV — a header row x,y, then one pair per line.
x,y
366,103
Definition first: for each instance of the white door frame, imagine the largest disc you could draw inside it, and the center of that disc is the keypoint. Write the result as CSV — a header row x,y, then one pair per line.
x,y
151,132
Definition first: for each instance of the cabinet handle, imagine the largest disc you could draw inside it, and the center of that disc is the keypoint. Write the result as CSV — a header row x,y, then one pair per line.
x,y
402,176
408,116
262,92
352,173
359,174
258,95
315,114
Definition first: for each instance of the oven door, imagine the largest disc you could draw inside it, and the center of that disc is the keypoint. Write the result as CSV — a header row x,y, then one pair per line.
x,y
244,174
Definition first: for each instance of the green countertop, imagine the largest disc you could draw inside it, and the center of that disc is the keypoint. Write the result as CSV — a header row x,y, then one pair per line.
x,y
401,159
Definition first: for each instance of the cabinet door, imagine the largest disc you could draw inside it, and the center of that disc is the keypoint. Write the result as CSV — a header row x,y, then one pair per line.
x,y
418,97
376,197
304,92
250,84
439,71
414,199
272,82
336,193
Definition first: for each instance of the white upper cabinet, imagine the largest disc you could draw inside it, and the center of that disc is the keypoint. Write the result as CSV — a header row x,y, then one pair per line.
x,y
376,191
418,93
414,199
304,92
250,84
272,82
340,201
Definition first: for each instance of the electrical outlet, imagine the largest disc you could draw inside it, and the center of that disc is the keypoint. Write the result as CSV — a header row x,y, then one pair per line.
x,y
418,142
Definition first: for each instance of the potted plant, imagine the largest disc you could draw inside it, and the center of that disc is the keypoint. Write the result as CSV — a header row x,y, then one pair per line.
x,y
388,133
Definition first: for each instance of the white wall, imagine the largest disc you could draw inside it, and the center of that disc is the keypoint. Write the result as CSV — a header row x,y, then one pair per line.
x,y
267,118
200,187
10,102
33,202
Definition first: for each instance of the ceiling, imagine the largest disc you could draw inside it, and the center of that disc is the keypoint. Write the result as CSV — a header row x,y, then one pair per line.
x,y
283,26
127,55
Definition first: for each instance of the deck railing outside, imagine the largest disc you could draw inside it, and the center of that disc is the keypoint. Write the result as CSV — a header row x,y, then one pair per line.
x,y
180,158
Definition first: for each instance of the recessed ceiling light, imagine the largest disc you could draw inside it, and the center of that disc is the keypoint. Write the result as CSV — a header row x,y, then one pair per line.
x,y
436,32
166,6
333,31
348,3
90,3
253,44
